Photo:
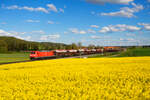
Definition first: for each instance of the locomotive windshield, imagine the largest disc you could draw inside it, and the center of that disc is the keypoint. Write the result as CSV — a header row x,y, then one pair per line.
x,y
32,52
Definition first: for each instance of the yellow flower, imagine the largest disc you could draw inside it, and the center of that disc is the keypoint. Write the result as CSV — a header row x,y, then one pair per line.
x,y
77,79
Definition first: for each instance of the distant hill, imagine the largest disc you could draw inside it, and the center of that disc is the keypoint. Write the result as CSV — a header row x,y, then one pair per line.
x,y
15,44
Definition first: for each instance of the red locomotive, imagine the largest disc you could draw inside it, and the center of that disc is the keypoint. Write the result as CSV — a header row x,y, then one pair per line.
x,y
41,54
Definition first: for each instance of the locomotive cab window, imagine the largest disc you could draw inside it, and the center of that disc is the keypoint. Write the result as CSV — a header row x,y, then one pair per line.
x,y
32,52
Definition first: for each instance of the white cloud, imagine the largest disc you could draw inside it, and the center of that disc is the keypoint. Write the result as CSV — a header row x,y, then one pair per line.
x,y
16,33
94,26
105,30
125,11
65,32
61,10
50,22
38,32
148,0
93,13
146,26
52,7
132,28
3,23
65,6
76,31
119,28
95,37
49,37
32,21
128,39
13,7
10,33
82,32
110,1
91,31
28,38
40,9
4,33
130,34
44,38
121,39
26,8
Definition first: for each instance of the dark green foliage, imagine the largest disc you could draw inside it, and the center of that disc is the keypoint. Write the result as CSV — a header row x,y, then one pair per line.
x,y
131,52
14,44
69,47
137,51
91,46
106,54
3,46
74,46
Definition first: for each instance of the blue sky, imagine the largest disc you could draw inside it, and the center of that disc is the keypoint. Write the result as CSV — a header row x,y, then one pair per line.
x,y
99,22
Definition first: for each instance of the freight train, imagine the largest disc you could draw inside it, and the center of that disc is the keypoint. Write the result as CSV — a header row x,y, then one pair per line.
x,y
66,53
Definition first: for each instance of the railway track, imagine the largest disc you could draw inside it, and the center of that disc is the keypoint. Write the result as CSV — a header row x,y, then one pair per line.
x,y
15,62
82,56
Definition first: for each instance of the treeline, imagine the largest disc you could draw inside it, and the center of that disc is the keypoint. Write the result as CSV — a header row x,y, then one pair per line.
x,y
13,44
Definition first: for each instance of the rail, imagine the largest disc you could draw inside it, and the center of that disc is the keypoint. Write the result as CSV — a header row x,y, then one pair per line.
x,y
45,59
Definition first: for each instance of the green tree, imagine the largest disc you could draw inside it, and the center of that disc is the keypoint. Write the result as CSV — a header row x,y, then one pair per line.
x,y
74,46
3,46
79,45
68,47
91,46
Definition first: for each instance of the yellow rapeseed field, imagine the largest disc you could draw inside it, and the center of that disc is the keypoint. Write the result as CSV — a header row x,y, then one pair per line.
x,y
77,79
